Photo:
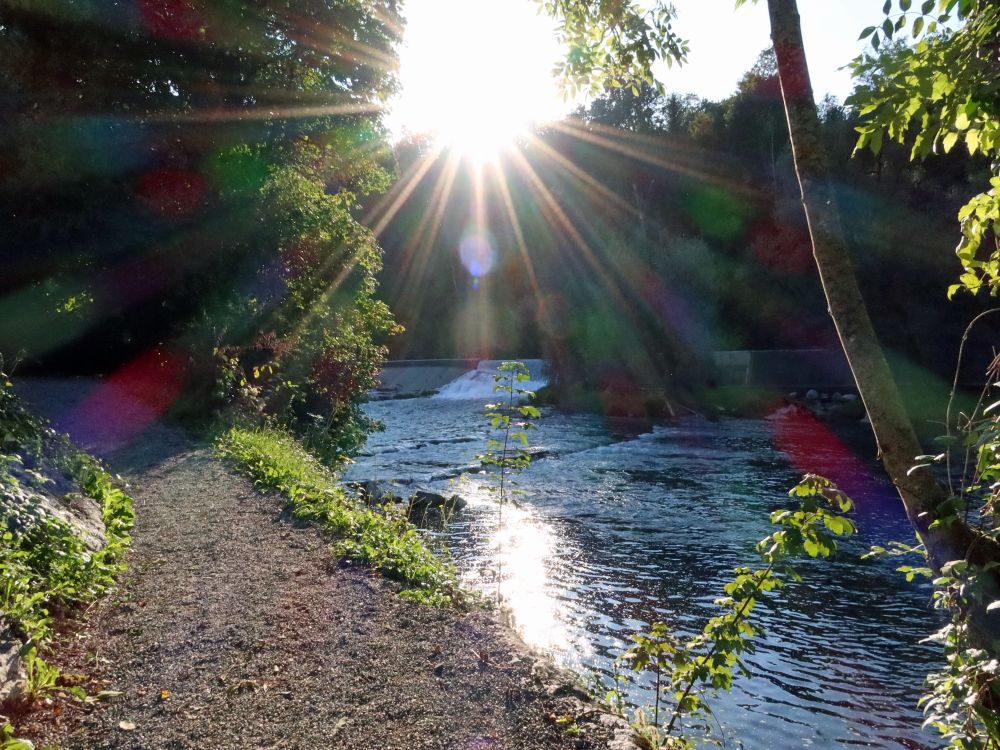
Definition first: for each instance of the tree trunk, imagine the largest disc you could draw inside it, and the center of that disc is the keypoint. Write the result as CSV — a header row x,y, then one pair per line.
x,y
897,443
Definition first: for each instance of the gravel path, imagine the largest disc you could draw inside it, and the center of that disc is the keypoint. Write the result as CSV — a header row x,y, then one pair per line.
x,y
235,628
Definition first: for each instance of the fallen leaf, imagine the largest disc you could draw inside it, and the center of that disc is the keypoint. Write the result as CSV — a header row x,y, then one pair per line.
x,y
128,726
165,694
342,722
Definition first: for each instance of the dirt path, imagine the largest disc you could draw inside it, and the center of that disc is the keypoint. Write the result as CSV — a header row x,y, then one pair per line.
x,y
235,628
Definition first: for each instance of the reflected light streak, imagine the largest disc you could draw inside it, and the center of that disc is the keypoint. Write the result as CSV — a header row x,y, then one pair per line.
x,y
523,548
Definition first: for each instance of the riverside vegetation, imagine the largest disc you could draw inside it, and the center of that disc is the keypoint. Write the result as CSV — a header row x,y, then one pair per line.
x,y
378,536
687,671
46,568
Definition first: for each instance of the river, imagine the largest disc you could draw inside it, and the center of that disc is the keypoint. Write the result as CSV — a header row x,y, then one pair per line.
x,y
617,528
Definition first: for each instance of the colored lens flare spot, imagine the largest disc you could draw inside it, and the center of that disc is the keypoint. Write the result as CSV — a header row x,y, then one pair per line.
x,y
171,192
477,253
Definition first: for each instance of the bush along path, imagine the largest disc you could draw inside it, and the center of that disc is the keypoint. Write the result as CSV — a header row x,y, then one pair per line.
x,y
241,624
65,533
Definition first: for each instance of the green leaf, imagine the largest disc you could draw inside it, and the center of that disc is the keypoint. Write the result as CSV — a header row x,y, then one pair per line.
x,y
972,141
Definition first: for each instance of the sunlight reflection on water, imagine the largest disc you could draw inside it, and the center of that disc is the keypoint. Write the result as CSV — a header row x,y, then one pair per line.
x,y
520,557
618,530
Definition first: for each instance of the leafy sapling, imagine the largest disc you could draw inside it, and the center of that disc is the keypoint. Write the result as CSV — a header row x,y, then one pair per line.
x,y
686,671
507,454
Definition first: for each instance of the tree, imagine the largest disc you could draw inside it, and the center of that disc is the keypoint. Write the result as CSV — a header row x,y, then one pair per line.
x,y
945,537
191,173
938,93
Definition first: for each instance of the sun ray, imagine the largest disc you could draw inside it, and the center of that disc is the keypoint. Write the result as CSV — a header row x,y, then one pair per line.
x,y
387,208
559,219
584,134
263,112
352,49
417,251
596,189
515,223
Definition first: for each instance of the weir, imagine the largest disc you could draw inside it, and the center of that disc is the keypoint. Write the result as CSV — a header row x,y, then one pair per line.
x,y
450,378
479,383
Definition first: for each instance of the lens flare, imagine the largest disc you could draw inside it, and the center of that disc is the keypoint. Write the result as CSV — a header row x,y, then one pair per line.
x,y
477,253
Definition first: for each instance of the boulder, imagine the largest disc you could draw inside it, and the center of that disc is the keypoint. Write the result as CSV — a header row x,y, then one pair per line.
x,y
423,501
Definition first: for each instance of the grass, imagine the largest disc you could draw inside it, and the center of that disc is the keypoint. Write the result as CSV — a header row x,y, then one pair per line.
x,y
380,537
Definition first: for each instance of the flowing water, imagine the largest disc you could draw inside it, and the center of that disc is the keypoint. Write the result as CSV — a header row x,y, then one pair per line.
x,y
617,529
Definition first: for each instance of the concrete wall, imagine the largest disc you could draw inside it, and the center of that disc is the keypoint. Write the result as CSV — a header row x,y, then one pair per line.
x,y
406,377
784,368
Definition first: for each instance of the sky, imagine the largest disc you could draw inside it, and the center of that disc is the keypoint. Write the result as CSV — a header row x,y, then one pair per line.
x,y
725,42
483,66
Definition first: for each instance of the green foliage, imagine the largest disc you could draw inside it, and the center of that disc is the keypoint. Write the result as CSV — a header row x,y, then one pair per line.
x,y
9,742
247,215
510,417
307,361
380,537
43,562
614,44
939,93
960,700
687,671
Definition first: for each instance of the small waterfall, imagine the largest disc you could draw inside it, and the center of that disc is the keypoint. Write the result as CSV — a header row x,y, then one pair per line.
x,y
479,383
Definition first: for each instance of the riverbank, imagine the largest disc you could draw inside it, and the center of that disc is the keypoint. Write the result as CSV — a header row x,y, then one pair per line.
x,y
236,628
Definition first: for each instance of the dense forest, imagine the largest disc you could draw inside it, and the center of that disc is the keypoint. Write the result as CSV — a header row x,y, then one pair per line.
x,y
180,185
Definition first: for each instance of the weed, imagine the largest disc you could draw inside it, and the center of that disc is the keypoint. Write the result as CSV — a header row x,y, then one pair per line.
x,y
380,537
510,416
41,678
43,562
686,671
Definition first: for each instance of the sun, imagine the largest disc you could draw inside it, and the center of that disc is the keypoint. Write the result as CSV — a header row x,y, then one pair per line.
x,y
476,74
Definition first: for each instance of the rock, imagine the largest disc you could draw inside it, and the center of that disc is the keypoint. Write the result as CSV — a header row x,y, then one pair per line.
x,y
423,501
622,734
375,493
11,673
23,507
812,394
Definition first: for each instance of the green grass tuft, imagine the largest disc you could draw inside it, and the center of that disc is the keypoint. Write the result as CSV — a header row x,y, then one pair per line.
x,y
382,538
